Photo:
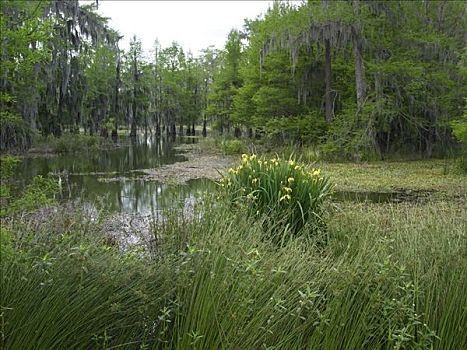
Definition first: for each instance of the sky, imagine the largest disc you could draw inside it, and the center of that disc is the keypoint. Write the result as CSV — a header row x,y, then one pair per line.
x,y
193,24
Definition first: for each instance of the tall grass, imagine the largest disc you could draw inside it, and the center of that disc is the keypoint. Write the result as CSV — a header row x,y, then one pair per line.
x,y
389,277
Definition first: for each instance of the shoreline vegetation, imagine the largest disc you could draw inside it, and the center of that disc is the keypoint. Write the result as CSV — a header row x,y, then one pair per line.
x,y
376,275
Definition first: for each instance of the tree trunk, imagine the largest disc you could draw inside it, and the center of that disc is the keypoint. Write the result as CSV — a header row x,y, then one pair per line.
x,y
327,70
205,132
158,125
359,67
359,75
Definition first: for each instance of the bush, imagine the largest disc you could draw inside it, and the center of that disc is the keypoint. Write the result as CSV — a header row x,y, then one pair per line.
x,y
73,143
40,192
7,166
233,147
285,191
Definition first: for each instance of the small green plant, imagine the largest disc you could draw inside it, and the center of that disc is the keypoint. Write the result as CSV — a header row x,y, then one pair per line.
x,y
285,191
41,191
8,164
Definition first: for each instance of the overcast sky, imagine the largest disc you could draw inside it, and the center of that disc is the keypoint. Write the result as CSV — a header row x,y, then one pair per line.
x,y
193,24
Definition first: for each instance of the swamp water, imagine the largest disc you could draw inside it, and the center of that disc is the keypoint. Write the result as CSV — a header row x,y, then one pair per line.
x,y
114,180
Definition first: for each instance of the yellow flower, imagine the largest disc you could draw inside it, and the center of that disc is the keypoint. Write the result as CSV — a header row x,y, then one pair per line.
x,y
285,197
254,181
251,196
287,189
231,171
291,163
290,180
253,157
316,172
244,156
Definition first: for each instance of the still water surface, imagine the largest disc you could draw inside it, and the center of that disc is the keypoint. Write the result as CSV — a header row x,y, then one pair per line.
x,y
111,177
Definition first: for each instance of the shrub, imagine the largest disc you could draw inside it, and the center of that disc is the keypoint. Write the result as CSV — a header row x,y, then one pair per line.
x,y
287,192
7,166
74,143
41,191
233,146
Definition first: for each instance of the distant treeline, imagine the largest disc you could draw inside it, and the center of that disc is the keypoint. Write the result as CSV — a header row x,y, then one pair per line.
x,y
358,79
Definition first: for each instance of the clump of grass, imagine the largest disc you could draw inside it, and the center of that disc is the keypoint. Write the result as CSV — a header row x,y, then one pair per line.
x,y
284,190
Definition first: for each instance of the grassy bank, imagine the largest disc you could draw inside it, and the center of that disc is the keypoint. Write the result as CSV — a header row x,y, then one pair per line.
x,y
388,277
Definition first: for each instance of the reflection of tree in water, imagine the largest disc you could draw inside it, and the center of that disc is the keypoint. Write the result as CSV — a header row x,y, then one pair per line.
x,y
139,153
140,196
80,174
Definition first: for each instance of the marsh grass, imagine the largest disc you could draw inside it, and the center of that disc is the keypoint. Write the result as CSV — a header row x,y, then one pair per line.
x,y
390,276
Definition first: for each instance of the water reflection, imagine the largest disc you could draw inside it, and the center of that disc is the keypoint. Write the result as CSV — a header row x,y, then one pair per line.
x,y
111,177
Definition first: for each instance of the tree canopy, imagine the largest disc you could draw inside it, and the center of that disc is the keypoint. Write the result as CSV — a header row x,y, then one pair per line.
x,y
356,78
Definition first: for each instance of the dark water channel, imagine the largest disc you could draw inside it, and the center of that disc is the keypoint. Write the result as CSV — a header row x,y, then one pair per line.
x,y
111,177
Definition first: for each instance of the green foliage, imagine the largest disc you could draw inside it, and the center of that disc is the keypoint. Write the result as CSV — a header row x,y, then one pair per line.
x,y
7,250
8,164
230,147
391,276
459,128
288,193
15,133
309,128
40,192
226,82
74,143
